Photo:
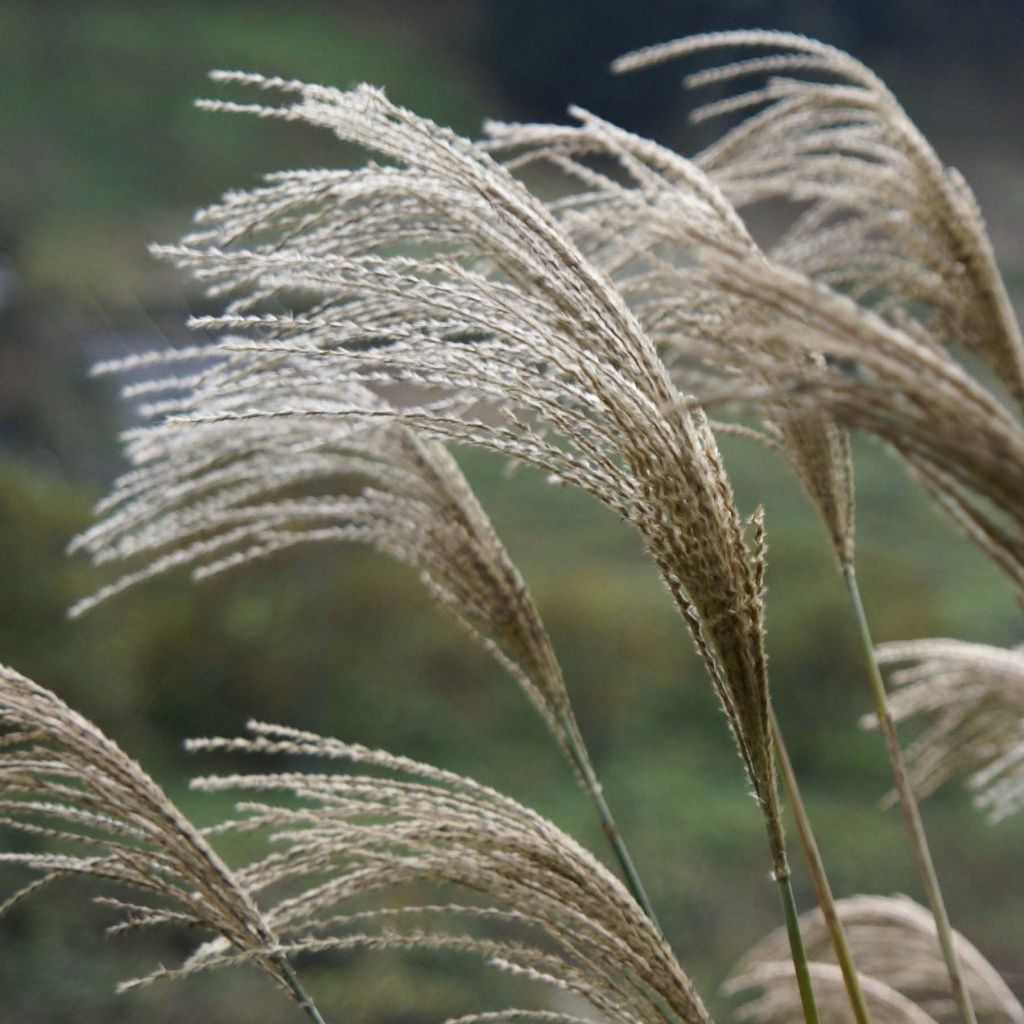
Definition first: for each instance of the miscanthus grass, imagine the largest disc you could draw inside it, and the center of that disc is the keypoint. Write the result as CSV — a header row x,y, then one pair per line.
x,y
886,267
64,780
373,316
896,946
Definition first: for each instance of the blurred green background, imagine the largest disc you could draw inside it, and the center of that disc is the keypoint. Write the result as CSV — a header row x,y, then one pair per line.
x,y
102,151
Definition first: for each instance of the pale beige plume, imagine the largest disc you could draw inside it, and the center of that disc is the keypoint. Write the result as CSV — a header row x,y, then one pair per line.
x,y
971,697
894,942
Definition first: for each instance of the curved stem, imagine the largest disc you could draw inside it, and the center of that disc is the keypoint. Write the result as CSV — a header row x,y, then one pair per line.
x,y
583,764
908,804
796,948
822,889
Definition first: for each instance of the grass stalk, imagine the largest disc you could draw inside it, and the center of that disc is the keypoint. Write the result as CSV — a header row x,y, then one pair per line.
x,y
908,804
796,948
819,879
608,825
300,995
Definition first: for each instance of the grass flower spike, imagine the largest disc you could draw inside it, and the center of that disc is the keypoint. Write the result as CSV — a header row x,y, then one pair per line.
x,y
64,780
972,696
501,334
879,216
235,498
651,228
896,947
556,915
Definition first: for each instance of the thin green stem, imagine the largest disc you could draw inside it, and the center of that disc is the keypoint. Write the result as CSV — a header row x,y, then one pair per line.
x,y
908,804
299,994
586,771
796,948
822,889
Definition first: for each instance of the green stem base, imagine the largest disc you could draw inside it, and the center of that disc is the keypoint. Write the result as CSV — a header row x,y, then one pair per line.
x,y
908,804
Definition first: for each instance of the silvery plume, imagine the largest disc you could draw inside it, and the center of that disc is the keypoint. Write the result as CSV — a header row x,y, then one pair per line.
x,y
648,216
876,213
240,490
441,280
894,942
514,889
886,271
244,490
971,697
63,780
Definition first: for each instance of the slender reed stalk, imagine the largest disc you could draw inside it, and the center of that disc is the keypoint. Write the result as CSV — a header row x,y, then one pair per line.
x,y
300,995
585,768
796,948
908,804
819,879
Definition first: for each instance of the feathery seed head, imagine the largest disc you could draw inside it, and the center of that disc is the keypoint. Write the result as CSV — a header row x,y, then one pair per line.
x,y
354,834
972,696
881,220
894,943
650,229
62,778
239,491
444,278
777,999
879,216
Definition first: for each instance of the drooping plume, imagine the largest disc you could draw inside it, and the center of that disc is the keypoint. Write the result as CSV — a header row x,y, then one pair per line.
x,y
877,215
63,779
650,226
879,219
444,278
772,996
240,492
972,698
894,942
550,911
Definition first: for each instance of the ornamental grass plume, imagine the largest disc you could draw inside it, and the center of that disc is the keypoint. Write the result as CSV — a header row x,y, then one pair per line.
x,y
878,218
876,214
63,780
230,497
972,698
770,329
561,919
649,227
896,946
552,913
774,1000
241,490
444,276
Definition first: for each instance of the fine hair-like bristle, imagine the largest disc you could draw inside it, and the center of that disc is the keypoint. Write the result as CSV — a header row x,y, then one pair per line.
x,y
234,496
649,228
879,216
894,943
879,220
552,912
61,778
972,698
500,334
773,998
